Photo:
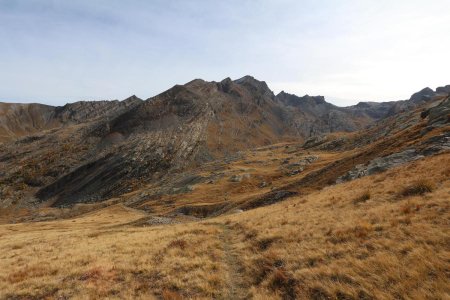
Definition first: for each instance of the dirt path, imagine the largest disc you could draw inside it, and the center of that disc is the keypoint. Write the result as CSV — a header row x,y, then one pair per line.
x,y
236,287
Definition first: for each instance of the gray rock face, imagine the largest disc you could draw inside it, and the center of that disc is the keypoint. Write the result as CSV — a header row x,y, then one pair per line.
x,y
239,178
373,110
422,95
299,166
314,141
380,164
259,88
443,89
440,114
312,115
436,144
88,110
433,145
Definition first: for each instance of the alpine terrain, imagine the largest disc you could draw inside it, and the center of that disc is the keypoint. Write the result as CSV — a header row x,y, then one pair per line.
x,y
224,190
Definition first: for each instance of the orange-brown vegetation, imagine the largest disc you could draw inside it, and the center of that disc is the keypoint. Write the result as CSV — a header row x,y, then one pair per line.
x,y
313,245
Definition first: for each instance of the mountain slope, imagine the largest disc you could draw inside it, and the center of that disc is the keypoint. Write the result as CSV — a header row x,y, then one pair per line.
x,y
182,127
17,120
24,119
101,150
217,230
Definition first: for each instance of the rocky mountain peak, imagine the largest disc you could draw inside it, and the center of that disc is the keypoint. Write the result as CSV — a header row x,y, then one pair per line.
x,y
132,98
294,100
255,85
225,85
196,82
443,89
422,95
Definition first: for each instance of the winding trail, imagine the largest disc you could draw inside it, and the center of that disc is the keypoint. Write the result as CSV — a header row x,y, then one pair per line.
x,y
236,286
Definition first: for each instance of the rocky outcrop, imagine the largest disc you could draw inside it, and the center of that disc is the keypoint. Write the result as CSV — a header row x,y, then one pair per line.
x,y
314,141
312,115
423,95
439,115
380,164
431,146
443,90
88,110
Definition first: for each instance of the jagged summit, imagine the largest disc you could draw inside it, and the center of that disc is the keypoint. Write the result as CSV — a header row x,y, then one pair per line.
x,y
422,95
294,100
255,85
132,98
443,89
248,79
18,120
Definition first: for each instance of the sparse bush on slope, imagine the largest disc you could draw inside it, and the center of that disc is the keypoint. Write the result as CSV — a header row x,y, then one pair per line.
x,y
419,187
362,198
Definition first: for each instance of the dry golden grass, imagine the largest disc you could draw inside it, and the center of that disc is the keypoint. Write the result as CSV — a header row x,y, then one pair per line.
x,y
326,247
362,197
312,246
93,257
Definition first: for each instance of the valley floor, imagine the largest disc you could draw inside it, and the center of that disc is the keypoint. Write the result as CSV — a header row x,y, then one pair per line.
x,y
385,236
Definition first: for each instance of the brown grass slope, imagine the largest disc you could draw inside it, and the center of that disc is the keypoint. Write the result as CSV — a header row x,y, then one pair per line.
x,y
331,243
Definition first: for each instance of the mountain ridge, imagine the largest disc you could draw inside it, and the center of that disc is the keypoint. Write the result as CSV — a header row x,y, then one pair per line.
x,y
107,148
34,117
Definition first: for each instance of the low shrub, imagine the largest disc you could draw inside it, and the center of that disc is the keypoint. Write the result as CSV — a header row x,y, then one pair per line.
x,y
419,187
362,198
284,282
265,243
181,244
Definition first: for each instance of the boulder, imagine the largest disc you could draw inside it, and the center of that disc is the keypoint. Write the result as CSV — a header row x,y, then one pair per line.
x,y
239,177
314,141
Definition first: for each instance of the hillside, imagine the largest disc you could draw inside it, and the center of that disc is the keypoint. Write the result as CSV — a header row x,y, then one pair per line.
x,y
320,244
18,120
224,190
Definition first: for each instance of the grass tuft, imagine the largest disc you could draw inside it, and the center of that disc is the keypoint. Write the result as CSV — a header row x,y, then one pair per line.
x,y
362,198
179,243
284,282
171,295
419,187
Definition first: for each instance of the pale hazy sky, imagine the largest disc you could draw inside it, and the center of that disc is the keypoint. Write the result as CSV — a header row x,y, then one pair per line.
x,y
63,51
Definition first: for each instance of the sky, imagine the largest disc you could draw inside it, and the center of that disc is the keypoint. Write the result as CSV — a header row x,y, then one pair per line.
x,y
62,51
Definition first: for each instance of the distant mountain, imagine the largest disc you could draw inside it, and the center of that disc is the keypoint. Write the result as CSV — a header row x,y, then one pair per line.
x,y
91,151
18,119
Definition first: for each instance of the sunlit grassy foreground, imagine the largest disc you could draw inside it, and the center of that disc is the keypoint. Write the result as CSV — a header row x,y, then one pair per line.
x,y
366,239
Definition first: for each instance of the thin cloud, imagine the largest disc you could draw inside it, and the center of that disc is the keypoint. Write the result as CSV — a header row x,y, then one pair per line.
x,y
60,51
